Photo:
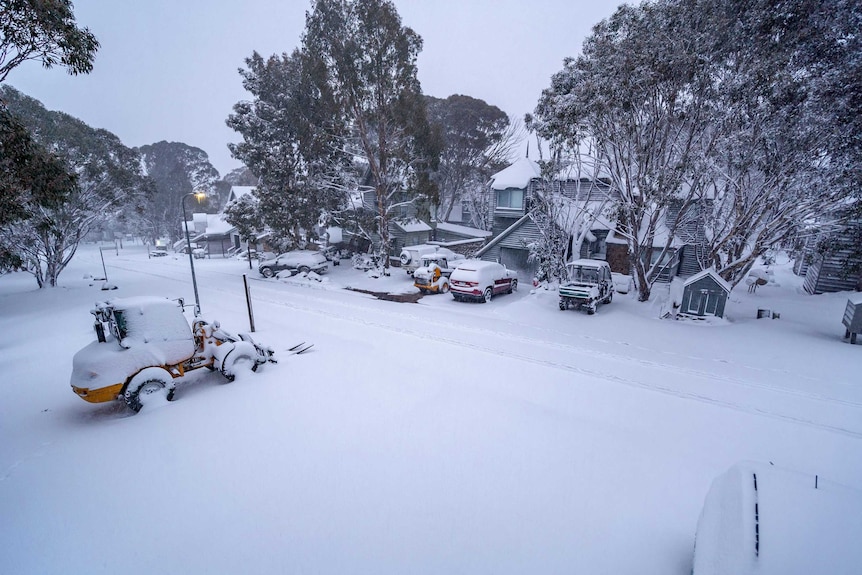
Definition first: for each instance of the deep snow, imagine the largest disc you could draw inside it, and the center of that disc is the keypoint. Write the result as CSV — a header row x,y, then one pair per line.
x,y
436,437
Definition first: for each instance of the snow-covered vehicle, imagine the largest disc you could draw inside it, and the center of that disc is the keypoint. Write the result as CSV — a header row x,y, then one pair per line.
x,y
433,275
158,252
148,344
479,280
411,256
589,283
295,262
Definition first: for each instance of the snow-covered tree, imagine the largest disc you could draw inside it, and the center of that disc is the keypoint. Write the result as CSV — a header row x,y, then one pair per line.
x,y
720,111
175,169
366,60
478,139
107,177
635,97
44,31
290,142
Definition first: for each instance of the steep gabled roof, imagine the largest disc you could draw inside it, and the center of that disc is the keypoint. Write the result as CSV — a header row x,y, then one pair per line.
x,y
518,175
711,273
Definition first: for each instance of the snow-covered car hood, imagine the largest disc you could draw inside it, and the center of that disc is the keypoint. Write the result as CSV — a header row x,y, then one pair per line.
x,y
100,365
573,289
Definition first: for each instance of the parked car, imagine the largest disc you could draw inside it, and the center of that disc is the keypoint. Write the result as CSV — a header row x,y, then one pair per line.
x,y
158,252
589,283
295,262
411,256
479,280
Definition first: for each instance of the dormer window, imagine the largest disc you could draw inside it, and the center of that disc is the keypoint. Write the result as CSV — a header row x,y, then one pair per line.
x,y
510,199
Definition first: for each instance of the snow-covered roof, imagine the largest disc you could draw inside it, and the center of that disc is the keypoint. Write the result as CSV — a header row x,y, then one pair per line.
x,y
711,273
518,175
215,225
789,523
856,298
463,230
416,226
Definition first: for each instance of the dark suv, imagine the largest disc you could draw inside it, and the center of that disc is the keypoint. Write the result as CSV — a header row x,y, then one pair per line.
x,y
295,262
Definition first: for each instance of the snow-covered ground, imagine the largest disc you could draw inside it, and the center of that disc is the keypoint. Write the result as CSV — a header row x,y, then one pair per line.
x,y
435,437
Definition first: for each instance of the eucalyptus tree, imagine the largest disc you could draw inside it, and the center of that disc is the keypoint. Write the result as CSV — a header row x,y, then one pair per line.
x,y
44,31
636,97
365,60
107,180
175,169
478,139
290,143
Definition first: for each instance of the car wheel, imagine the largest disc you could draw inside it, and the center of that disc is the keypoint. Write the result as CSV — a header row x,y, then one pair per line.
x,y
488,294
591,309
405,259
563,305
266,272
304,269
444,287
240,358
146,386
513,286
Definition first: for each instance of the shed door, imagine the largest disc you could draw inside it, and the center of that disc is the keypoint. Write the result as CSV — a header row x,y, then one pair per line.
x,y
698,302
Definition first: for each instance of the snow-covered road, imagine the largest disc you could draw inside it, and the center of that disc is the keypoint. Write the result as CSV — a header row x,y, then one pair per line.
x,y
433,437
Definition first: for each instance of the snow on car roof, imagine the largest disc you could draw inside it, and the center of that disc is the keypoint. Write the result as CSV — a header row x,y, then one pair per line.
x,y
588,263
471,265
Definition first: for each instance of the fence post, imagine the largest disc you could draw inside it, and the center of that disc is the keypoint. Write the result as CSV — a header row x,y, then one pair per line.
x,y
248,302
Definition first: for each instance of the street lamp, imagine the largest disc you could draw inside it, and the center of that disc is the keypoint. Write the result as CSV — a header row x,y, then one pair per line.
x,y
199,196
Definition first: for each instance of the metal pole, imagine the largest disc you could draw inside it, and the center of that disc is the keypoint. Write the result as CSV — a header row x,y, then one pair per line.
x,y
104,271
248,302
191,259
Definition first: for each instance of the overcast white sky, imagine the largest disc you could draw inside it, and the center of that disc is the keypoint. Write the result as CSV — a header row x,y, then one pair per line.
x,y
167,69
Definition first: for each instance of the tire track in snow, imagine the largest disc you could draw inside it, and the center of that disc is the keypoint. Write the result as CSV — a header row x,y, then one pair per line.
x,y
569,348
665,389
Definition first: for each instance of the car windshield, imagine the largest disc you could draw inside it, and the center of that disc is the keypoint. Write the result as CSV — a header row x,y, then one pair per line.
x,y
585,275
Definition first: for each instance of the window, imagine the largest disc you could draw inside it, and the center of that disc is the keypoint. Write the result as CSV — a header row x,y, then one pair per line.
x,y
511,199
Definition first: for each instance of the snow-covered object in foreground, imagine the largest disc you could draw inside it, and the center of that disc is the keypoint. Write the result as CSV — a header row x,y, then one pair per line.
x,y
589,283
762,520
148,344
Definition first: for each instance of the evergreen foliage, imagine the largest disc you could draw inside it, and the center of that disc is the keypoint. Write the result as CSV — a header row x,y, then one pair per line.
x,y
725,111
44,30
175,169
477,141
107,180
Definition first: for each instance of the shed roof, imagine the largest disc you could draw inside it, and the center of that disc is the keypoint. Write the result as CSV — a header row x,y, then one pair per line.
x,y
711,273
414,226
463,230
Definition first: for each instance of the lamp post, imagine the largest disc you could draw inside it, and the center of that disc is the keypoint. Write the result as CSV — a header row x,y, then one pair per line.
x,y
199,196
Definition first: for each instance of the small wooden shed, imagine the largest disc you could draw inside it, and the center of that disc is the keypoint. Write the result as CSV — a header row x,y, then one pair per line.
x,y
853,317
704,294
